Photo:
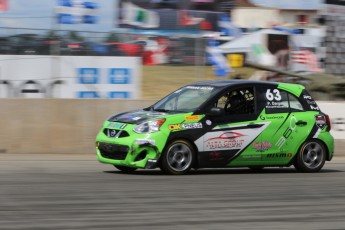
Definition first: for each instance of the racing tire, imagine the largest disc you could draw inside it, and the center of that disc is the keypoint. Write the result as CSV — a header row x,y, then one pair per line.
x,y
125,169
177,158
311,157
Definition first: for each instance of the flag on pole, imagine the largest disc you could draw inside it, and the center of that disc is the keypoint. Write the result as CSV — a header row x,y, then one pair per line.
x,y
307,58
74,11
218,61
186,19
227,27
3,5
137,16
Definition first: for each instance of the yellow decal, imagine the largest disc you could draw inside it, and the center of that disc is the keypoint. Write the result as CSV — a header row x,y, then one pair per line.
x,y
192,118
175,127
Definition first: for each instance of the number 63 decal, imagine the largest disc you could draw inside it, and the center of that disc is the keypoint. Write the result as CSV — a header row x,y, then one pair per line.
x,y
275,94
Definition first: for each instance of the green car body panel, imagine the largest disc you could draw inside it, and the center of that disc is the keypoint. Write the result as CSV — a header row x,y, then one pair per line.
x,y
281,118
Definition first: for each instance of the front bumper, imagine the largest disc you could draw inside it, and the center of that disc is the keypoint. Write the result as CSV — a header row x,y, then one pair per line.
x,y
135,156
136,150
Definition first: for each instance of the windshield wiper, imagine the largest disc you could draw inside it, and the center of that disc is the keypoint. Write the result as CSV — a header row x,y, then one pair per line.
x,y
160,110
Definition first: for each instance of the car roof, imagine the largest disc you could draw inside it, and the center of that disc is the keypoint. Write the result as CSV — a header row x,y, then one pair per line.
x,y
234,82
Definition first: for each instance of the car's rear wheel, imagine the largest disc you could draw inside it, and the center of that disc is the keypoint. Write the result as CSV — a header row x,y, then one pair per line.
x,y
125,168
311,157
178,158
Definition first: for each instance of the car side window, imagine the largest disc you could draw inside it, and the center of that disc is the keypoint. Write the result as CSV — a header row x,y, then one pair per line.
x,y
238,101
295,104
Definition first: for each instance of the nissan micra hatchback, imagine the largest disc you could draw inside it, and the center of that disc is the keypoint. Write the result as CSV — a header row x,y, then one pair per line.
x,y
218,124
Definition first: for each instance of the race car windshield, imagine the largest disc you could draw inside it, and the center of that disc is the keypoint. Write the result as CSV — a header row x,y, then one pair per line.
x,y
186,99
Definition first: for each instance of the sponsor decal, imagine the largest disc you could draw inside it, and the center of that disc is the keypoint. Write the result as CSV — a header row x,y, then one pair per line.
x,y
320,121
251,157
237,137
279,155
192,118
200,87
262,146
306,97
175,127
262,117
287,133
311,102
314,107
197,125
208,122
227,140
145,141
116,125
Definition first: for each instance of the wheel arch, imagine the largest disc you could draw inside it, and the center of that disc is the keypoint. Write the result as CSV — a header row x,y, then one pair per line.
x,y
311,139
190,141
328,155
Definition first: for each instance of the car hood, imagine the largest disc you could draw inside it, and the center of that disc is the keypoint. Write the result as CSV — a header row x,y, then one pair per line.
x,y
136,117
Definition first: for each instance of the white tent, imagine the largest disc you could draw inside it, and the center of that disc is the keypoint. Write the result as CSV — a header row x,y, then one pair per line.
x,y
254,45
244,44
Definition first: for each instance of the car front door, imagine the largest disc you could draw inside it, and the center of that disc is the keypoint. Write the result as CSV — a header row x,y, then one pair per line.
x,y
229,136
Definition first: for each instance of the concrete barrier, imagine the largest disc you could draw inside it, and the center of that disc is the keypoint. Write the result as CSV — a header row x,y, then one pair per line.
x,y
65,126
56,125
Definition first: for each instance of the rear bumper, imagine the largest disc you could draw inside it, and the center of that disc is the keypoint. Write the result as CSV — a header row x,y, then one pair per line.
x,y
328,140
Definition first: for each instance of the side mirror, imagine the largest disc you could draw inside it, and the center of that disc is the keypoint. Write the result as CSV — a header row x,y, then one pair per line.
x,y
215,111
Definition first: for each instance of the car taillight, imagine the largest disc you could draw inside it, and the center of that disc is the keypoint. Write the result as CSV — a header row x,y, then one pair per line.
x,y
328,121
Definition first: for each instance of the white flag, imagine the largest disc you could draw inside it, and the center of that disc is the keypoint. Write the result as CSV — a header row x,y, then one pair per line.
x,y
137,16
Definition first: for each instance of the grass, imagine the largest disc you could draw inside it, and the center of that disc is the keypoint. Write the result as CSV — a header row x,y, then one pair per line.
x,y
160,80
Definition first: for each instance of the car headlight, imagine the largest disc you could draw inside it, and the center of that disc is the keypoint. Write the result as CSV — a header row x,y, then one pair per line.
x,y
149,126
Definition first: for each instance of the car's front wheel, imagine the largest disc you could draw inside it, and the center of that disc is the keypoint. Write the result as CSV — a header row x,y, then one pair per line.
x,y
125,168
311,157
177,158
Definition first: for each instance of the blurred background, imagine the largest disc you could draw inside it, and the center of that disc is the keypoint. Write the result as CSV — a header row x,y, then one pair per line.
x,y
81,49
75,55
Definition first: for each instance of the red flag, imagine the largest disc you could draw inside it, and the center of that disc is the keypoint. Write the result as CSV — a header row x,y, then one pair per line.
x,y
3,5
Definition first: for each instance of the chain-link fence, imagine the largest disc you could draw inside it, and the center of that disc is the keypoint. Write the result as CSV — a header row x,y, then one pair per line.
x,y
154,49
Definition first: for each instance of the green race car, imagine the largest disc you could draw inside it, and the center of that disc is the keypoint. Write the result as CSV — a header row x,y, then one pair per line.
x,y
218,124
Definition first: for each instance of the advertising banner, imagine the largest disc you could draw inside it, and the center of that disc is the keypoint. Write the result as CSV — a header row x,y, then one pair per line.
x,y
69,77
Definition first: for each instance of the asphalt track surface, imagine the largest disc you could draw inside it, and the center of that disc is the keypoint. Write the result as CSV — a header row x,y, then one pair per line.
x,y
77,192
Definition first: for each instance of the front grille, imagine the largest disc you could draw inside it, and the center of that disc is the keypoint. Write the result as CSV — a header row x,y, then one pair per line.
x,y
112,151
115,133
